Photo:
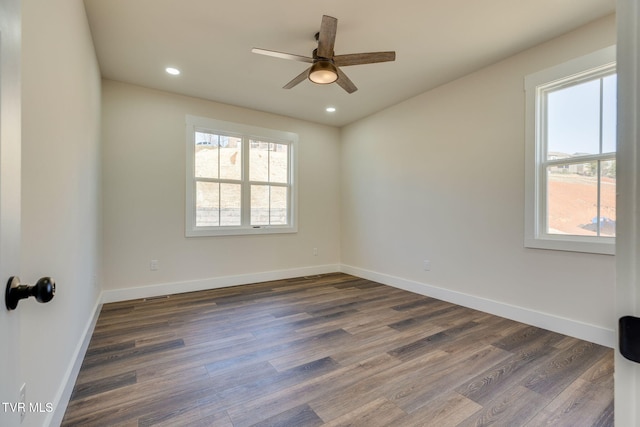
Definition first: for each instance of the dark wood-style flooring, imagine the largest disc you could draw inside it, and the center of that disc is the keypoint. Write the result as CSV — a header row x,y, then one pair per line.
x,y
332,350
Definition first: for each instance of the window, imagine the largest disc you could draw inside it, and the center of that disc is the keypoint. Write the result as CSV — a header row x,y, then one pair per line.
x,y
240,179
571,155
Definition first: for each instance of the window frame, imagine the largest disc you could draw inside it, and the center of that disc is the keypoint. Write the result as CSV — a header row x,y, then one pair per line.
x,y
587,67
246,133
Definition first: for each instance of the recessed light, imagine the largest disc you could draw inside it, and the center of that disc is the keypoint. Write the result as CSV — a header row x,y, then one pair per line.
x,y
330,109
172,71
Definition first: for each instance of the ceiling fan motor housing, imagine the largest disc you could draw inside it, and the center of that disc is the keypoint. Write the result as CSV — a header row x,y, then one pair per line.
x,y
323,72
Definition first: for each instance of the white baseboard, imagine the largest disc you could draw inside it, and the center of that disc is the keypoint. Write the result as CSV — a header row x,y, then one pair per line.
x,y
63,395
581,330
573,328
149,291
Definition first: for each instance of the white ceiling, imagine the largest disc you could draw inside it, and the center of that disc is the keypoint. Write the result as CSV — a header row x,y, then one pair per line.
x,y
210,41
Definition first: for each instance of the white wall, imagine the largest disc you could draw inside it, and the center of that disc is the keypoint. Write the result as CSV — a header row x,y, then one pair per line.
x,y
441,177
60,193
144,151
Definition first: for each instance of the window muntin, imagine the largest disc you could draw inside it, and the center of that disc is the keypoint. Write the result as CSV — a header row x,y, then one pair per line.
x,y
238,183
571,143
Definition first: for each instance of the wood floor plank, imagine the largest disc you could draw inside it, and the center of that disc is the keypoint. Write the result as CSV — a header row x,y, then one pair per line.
x,y
601,372
194,417
447,410
369,388
521,365
302,416
273,383
133,401
331,350
513,408
562,370
320,388
382,339
102,385
130,353
419,320
447,377
420,346
378,413
606,418
582,403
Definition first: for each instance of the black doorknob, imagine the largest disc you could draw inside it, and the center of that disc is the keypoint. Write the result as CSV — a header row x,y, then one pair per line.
x,y
43,291
629,337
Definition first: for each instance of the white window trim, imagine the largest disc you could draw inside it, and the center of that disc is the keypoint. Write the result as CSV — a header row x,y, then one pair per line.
x,y
194,123
535,237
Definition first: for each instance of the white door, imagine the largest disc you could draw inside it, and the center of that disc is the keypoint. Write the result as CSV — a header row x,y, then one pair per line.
x,y
627,373
9,204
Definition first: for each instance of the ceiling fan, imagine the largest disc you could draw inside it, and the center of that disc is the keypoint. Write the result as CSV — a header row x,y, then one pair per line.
x,y
325,65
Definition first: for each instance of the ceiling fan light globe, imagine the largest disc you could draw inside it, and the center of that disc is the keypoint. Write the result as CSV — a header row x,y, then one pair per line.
x,y
323,72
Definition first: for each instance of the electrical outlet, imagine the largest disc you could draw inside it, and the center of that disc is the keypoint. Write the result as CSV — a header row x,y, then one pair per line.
x,y
426,265
315,251
153,265
22,405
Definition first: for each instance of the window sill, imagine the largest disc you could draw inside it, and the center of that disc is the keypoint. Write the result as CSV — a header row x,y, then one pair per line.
x,y
601,246
240,231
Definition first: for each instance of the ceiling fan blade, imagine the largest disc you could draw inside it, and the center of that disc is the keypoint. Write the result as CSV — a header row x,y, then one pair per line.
x,y
363,58
345,82
282,55
297,79
327,36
